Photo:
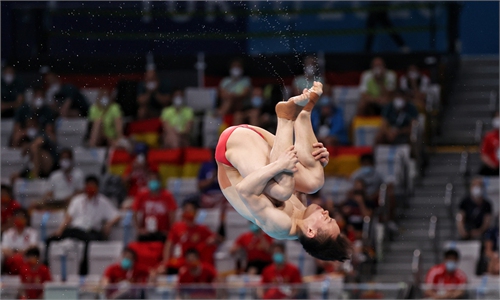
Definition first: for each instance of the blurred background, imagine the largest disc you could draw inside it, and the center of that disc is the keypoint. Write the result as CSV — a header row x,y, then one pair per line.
x,y
111,110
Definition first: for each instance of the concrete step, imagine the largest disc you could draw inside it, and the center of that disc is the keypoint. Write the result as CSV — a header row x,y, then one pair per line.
x,y
470,111
476,70
424,214
392,278
485,83
478,62
423,223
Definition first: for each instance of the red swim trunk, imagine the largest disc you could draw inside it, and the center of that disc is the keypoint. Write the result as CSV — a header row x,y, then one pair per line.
x,y
220,150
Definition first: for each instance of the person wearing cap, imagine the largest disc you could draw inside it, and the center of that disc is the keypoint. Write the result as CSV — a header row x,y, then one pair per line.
x,y
446,279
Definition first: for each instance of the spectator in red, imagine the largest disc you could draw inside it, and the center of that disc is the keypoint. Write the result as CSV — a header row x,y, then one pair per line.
x,y
474,216
490,150
119,277
16,240
8,207
186,234
195,271
445,274
136,175
154,211
280,273
257,247
33,274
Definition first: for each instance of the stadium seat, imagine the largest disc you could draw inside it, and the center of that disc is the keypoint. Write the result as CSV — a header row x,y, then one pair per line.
x,y
10,286
300,258
193,159
90,160
91,94
12,161
242,286
61,290
200,99
236,225
66,252
6,131
224,262
336,188
365,130
330,287
125,230
391,160
28,191
88,285
46,223
210,129
469,255
168,162
146,131
166,288
209,217
347,98
119,160
71,132
182,188
492,191
103,254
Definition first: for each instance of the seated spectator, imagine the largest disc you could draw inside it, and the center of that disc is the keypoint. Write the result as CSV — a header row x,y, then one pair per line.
x,y
234,92
118,277
66,182
33,274
9,206
66,99
474,214
398,118
84,220
490,151
371,177
489,250
445,277
12,92
186,234
153,95
251,112
177,122
376,87
328,123
311,74
256,246
136,175
107,121
355,208
16,240
280,274
208,184
271,95
154,211
195,271
415,85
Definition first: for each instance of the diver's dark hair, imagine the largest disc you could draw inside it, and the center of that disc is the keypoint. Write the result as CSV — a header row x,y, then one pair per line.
x,y
325,247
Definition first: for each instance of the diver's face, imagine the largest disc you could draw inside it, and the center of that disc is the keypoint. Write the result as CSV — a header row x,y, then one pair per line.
x,y
316,217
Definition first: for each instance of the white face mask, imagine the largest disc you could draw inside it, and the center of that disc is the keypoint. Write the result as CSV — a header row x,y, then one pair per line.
x,y
377,71
309,70
65,163
31,132
54,87
399,103
496,122
177,101
236,72
476,192
105,101
151,85
413,74
8,78
38,102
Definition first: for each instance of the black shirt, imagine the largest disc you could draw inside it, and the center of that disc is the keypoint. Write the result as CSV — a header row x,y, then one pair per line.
x,y
474,213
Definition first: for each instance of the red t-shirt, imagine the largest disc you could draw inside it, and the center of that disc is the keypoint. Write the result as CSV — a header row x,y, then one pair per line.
x,y
138,180
115,273
288,274
8,211
207,275
155,209
490,146
34,276
195,237
255,246
439,275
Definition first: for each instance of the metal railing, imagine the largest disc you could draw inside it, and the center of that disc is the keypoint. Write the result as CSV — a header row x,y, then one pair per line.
x,y
416,270
464,164
493,100
450,205
478,132
433,237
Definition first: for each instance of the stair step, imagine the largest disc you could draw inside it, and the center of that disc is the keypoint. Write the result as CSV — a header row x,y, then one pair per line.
x,y
473,69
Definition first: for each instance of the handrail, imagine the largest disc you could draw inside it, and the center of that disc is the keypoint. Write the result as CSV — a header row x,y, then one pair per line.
x,y
448,202
478,133
366,229
416,267
464,163
493,100
433,237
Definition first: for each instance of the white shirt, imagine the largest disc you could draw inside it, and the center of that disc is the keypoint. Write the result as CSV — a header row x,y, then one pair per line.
x,y
62,187
11,239
424,83
367,76
90,214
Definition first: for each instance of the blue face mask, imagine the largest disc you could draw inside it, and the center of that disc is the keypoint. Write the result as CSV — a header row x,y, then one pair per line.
x,y
126,264
154,185
451,266
366,169
254,228
278,258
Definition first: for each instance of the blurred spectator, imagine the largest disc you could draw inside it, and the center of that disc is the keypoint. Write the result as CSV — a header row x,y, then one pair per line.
x,y
154,211
398,118
256,246
118,277
415,85
66,182
208,184
281,274
234,91
153,95
371,177
328,122
311,74
376,87
271,95
107,121
66,99
90,217
355,208
195,271
12,92
490,151
136,175
177,122
474,214
378,14
494,265
9,205
250,114
16,240
33,274
489,250
445,277
186,234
